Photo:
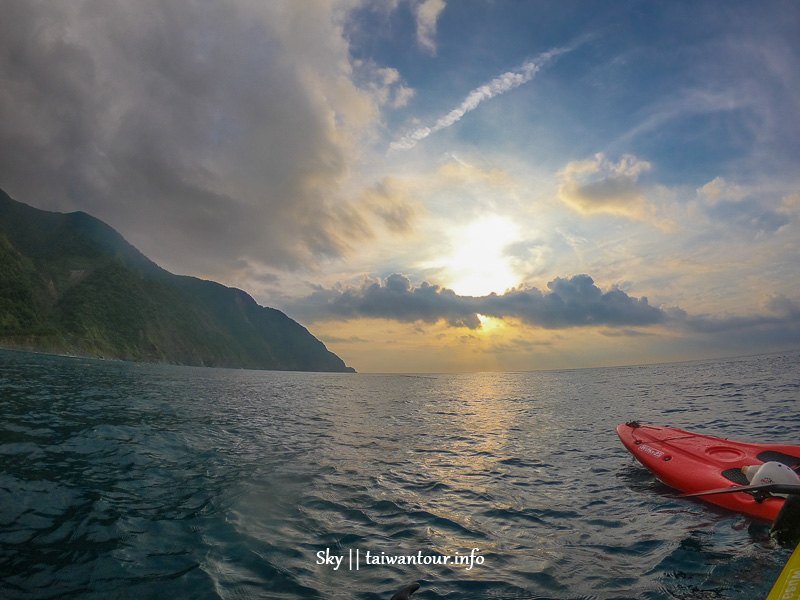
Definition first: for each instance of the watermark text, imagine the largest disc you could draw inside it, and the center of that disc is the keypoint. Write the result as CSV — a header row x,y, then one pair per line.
x,y
354,559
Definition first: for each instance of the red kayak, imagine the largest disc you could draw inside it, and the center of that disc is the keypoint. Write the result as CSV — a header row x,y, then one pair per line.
x,y
692,463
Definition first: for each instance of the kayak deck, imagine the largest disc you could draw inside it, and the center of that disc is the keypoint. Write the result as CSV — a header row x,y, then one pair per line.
x,y
691,462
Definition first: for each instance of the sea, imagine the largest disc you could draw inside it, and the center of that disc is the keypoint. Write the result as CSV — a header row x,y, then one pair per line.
x,y
126,480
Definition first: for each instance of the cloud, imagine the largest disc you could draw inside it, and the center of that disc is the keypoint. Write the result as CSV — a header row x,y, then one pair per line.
x,y
384,83
782,306
516,345
624,333
779,325
427,13
391,201
743,206
393,298
598,186
567,303
682,103
570,302
353,339
718,190
499,85
790,204
574,302
227,127
749,215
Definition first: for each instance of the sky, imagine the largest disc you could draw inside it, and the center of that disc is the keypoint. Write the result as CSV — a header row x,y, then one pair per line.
x,y
435,185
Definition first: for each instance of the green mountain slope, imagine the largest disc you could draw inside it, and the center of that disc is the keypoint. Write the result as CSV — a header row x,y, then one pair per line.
x,y
71,284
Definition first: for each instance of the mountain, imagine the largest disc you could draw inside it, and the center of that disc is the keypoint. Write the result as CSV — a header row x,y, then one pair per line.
x,y
70,284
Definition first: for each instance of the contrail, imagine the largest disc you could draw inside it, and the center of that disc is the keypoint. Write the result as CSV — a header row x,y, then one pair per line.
x,y
499,85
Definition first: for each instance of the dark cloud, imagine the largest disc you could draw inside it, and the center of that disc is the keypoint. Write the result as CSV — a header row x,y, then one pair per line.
x,y
783,306
574,302
776,327
394,298
570,302
225,127
778,324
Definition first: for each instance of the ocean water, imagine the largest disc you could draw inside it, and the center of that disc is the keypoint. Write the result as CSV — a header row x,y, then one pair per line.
x,y
122,480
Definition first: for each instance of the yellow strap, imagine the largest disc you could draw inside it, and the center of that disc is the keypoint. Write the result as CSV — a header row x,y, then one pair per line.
x,y
788,585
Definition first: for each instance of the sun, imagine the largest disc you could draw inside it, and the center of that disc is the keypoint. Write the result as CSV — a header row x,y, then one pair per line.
x,y
479,263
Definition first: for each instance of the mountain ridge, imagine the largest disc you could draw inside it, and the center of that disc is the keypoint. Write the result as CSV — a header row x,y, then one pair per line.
x,y
71,284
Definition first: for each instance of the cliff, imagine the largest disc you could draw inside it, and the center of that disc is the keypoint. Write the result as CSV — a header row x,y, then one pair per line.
x,y
71,284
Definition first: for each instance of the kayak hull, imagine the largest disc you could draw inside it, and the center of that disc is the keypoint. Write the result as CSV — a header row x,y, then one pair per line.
x,y
691,463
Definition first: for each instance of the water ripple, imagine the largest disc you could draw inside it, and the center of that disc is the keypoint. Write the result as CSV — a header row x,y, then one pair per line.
x,y
123,480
